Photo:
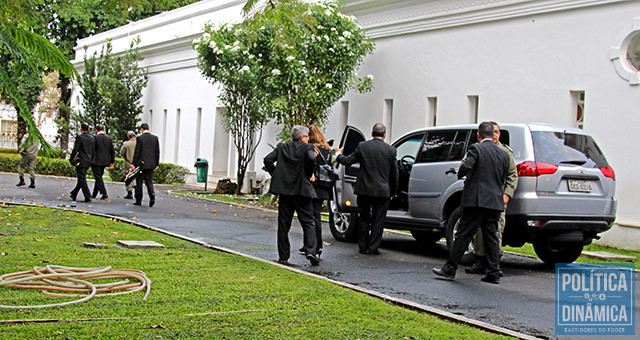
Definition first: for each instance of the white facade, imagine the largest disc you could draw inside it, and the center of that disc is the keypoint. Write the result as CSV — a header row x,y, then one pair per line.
x,y
461,61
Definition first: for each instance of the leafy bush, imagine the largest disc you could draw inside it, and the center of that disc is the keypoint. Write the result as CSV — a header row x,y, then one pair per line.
x,y
166,174
8,150
44,166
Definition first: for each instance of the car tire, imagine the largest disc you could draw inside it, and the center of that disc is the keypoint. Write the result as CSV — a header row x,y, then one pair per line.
x,y
564,253
426,237
452,225
343,226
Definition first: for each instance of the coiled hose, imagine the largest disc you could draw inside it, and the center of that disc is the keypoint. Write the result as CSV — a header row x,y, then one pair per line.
x,y
63,281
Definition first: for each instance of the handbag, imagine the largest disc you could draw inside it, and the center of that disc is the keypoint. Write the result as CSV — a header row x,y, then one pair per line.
x,y
131,175
325,174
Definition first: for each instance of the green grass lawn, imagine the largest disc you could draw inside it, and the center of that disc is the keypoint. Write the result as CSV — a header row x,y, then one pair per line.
x,y
254,300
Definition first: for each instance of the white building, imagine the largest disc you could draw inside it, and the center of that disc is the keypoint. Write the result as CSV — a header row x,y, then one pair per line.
x,y
437,62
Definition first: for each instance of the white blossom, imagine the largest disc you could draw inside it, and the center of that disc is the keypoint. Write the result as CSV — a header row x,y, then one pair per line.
x,y
370,76
346,34
289,58
333,28
331,49
244,68
326,37
213,68
259,55
275,72
329,85
302,62
327,12
219,51
206,36
341,38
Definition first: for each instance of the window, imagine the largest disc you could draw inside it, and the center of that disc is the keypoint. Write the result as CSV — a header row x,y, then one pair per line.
x,y
633,52
387,117
578,108
437,146
567,148
9,129
432,115
409,146
473,108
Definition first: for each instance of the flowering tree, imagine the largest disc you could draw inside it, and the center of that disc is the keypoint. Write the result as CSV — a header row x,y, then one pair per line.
x,y
226,57
313,59
290,62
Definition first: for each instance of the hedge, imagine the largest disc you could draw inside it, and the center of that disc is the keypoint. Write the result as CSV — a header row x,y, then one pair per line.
x,y
166,173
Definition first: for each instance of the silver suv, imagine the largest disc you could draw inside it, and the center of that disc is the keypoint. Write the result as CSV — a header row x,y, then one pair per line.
x,y
565,193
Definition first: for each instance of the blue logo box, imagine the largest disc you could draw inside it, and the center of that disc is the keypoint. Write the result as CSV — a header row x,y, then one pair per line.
x,y
595,299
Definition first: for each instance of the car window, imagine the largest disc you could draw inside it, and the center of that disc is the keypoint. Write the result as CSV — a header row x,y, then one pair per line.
x,y
409,146
567,148
457,149
437,146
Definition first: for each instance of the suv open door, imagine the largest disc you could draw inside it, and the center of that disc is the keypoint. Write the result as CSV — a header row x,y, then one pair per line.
x,y
343,206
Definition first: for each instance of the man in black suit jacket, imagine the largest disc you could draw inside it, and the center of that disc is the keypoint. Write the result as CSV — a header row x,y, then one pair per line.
x,y
146,156
81,157
486,167
376,184
103,156
291,165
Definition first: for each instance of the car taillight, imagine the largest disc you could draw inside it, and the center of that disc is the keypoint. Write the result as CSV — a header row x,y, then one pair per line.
x,y
535,169
608,172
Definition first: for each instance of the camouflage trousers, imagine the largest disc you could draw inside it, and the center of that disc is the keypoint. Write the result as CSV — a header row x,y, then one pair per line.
x,y
478,241
27,162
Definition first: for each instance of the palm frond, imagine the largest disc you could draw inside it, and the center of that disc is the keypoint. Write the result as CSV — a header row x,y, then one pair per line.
x,y
39,47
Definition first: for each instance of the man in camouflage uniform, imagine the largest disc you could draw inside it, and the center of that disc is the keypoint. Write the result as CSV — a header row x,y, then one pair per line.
x,y
127,151
29,152
508,190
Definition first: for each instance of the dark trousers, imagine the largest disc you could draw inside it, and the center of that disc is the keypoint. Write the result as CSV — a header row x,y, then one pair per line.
x,y
81,174
287,205
146,176
317,216
472,219
371,215
98,186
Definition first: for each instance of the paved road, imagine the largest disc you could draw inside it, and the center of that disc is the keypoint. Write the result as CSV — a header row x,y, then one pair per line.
x,y
524,301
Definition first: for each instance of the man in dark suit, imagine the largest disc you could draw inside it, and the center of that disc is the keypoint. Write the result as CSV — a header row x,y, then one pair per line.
x,y
291,165
81,157
146,156
376,184
486,167
103,156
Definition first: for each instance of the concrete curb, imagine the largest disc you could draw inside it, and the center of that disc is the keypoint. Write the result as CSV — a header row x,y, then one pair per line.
x,y
397,301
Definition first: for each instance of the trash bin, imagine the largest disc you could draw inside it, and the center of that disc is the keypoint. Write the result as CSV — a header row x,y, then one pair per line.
x,y
202,171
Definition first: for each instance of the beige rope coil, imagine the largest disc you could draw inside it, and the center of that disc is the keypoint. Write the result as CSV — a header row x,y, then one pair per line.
x,y
62,281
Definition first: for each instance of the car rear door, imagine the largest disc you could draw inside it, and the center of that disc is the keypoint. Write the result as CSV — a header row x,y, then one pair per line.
x,y
435,172
344,197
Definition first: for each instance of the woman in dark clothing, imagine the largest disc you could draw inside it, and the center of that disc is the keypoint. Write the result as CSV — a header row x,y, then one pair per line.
x,y
323,192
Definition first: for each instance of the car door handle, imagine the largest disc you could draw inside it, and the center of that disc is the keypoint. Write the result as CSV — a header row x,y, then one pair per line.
x,y
451,171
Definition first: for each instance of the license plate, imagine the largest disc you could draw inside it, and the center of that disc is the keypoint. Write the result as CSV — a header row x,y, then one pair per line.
x,y
579,185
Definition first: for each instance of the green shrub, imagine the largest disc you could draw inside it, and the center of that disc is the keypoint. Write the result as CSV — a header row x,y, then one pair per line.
x,y
8,150
166,174
44,166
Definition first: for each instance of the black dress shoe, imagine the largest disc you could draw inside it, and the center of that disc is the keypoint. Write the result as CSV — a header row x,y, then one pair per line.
x,y
73,198
313,259
444,273
129,195
374,252
104,197
86,200
152,202
495,279
137,203
477,268
301,251
94,195
364,252
284,262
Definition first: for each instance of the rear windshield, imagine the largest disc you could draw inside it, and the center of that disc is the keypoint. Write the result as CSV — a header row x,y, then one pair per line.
x,y
560,148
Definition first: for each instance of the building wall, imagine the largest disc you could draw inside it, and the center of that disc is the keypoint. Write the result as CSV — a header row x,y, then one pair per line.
x,y
519,59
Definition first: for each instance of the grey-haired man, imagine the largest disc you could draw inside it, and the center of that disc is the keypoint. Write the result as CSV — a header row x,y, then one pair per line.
x,y
127,151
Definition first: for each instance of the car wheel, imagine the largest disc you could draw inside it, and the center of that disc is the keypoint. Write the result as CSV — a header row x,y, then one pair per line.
x,y
562,253
426,237
452,226
343,226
